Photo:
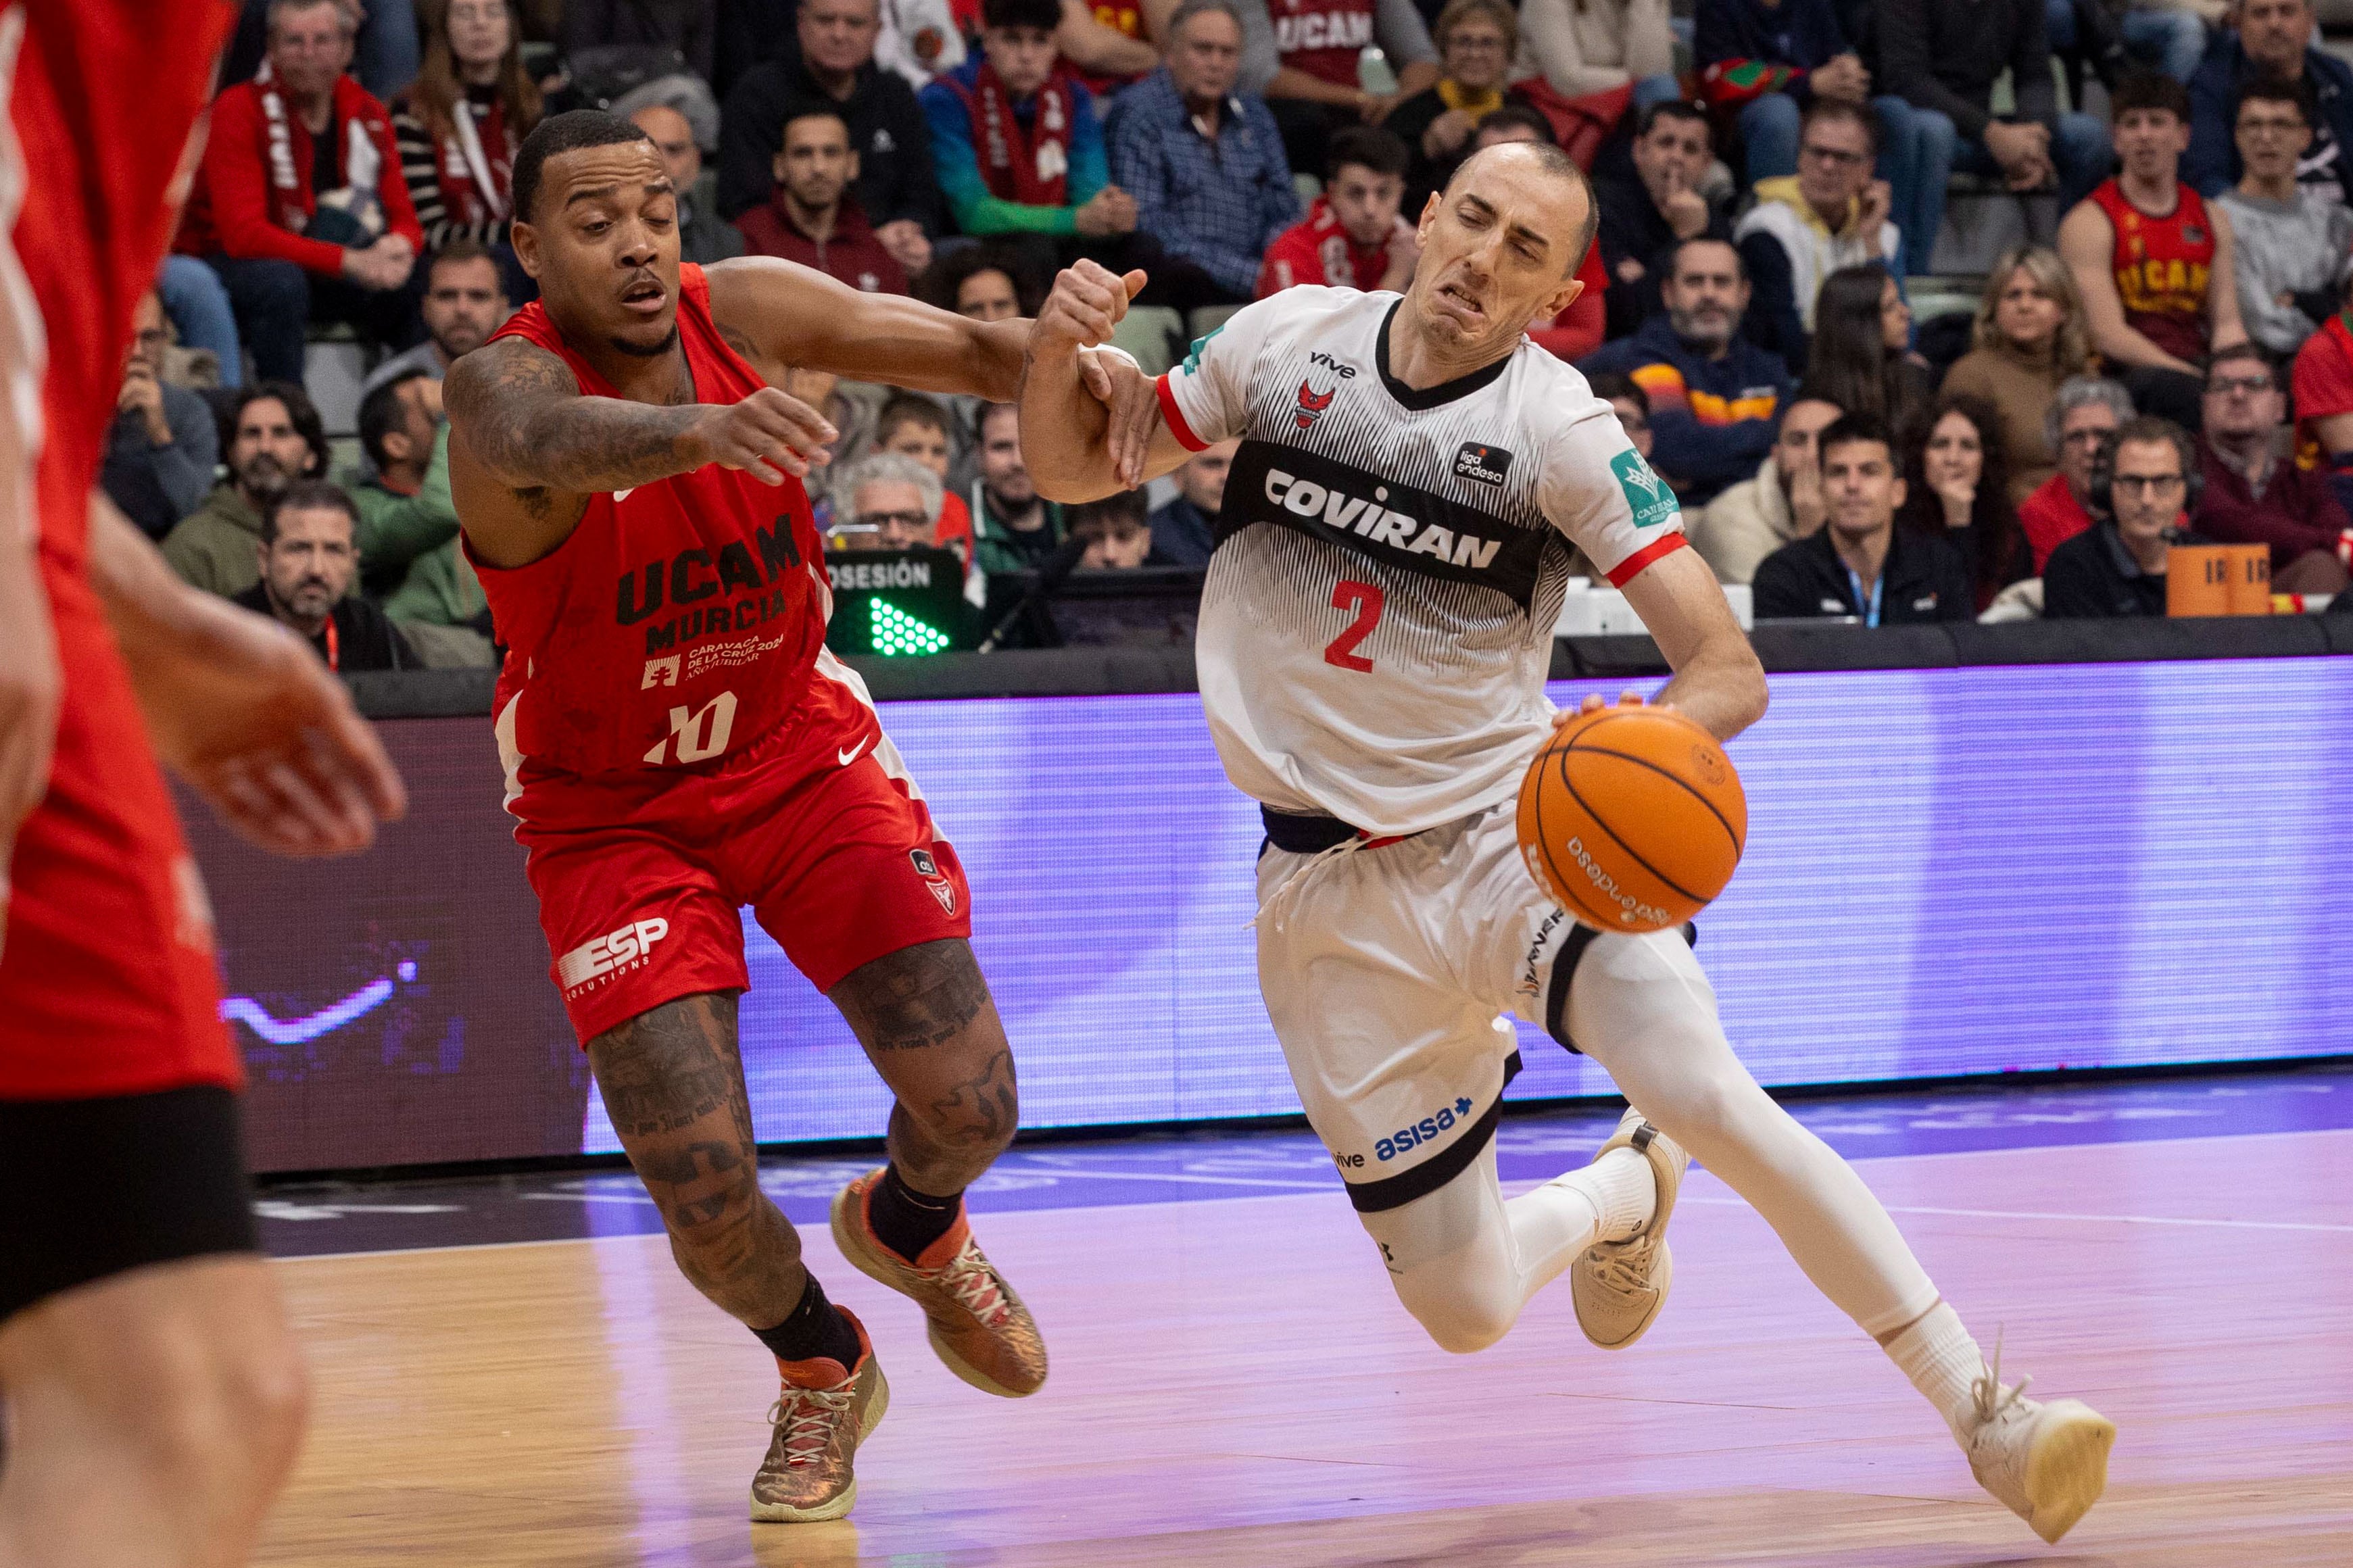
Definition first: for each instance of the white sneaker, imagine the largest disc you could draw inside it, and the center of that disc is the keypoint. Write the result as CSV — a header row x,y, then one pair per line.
x,y
2047,1463
1619,1286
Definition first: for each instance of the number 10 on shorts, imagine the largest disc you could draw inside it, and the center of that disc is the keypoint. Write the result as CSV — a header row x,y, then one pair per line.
x,y
1365,599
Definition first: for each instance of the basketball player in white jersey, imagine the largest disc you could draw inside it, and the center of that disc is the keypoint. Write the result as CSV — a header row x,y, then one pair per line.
x,y
1390,560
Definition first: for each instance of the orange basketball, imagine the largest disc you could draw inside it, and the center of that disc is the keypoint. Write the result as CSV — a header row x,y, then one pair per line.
x,y
1633,819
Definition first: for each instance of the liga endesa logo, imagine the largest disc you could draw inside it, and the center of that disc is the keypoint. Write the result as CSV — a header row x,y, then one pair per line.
x,y
1630,908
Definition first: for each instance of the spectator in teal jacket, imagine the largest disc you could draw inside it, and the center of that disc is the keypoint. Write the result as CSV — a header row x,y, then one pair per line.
x,y
1015,138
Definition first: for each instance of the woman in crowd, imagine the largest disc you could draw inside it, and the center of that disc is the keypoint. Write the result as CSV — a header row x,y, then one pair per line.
x,y
2030,336
1862,359
1582,48
459,129
1477,40
1956,491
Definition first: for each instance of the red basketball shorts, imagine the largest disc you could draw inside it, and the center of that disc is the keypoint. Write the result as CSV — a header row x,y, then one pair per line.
x,y
818,829
108,983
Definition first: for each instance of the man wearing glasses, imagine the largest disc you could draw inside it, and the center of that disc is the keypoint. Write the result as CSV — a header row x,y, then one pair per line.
x,y
1830,214
2291,240
2255,492
2117,568
2083,417
161,452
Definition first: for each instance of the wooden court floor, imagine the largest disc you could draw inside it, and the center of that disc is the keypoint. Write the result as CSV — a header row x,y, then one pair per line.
x,y
1234,1383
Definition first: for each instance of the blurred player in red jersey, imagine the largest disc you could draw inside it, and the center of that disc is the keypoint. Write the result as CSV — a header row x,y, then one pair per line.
x,y
155,1399
679,744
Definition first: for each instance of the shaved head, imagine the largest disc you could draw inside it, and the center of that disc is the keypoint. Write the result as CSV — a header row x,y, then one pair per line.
x,y
1548,160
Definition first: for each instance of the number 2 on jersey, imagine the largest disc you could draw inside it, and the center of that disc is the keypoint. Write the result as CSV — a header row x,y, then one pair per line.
x,y
1365,599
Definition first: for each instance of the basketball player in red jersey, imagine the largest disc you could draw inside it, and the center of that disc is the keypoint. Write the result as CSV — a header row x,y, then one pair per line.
x,y
2153,258
155,1396
679,744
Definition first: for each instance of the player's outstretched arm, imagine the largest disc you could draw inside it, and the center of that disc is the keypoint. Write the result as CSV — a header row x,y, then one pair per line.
x,y
519,413
797,316
1717,679
1079,444
239,707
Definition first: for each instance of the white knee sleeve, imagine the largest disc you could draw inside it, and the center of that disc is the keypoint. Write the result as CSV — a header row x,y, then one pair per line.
x,y
1642,1007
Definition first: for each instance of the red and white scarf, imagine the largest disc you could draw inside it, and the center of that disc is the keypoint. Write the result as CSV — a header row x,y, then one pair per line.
x,y
476,166
1032,169
362,159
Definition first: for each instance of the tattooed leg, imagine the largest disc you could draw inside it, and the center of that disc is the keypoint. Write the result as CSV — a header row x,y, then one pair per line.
x,y
674,1086
927,1022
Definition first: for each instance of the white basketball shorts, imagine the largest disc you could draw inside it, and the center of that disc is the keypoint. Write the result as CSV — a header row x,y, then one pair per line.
x,y
1388,972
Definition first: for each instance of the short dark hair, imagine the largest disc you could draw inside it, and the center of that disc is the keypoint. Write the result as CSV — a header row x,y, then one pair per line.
x,y
1368,147
1675,254
2270,89
2148,89
1822,111
1043,14
2149,430
574,130
944,278
308,495
1612,385
300,412
813,109
382,414
1851,429
457,251
1523,115
908,408
1121,506
1670,109
2244,349
981,415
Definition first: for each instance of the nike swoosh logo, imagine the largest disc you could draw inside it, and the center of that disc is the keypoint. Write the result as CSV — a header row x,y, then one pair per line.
x,y
620,496
850,756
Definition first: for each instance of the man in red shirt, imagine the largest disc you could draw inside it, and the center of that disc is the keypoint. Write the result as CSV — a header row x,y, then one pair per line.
x,y
300,206
2152,258
2083,417
2255,492
2324,406
1354,237
811,215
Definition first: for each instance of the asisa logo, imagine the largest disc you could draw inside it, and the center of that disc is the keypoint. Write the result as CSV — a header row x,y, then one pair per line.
x,y
1312,403
1426,1131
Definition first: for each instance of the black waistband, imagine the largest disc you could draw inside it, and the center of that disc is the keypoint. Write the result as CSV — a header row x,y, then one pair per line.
x,y
1296,834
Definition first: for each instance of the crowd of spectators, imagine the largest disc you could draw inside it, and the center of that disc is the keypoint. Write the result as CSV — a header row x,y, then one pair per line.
x,y
1770,175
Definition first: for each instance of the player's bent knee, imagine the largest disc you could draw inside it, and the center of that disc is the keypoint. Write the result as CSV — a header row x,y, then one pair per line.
x,y
1460,1317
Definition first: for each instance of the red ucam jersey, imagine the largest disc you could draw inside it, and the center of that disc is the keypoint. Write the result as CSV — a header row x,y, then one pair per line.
x,y
683,620
1322,38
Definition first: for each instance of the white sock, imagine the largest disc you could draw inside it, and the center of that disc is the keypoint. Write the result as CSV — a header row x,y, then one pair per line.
x,y
1942,1361
1624,1190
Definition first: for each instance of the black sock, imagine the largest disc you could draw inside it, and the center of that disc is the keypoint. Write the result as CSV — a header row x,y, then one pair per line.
x,y
905,1220
812,1329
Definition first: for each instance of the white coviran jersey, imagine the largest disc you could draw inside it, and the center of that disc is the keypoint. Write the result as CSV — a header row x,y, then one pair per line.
x,y
1390,566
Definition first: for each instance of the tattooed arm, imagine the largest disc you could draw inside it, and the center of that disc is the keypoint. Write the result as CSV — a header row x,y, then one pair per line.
x,y
527,448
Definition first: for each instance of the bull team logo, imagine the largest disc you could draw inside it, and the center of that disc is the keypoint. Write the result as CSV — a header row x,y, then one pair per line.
x,y
1312,403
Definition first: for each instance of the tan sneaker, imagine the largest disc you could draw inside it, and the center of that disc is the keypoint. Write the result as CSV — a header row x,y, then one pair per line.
x,y
1619,1287
823,1413
2048,1463
978,1325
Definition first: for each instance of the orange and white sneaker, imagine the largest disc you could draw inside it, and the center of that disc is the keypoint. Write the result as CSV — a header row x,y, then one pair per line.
x,y
978,1325
825,1410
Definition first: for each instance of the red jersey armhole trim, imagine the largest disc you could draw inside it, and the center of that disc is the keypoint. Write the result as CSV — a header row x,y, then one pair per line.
x,y
1175,417
1626,571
